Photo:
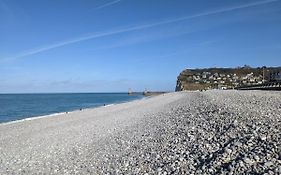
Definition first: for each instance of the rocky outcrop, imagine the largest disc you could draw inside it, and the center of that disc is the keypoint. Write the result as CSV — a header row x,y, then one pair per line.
x,y
179,86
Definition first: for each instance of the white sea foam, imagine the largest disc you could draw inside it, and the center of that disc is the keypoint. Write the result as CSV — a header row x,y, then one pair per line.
x,y
50,115
33,118
108,105
63,113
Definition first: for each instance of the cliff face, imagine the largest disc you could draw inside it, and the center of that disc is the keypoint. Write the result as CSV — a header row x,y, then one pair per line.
x,y
224,78
179,86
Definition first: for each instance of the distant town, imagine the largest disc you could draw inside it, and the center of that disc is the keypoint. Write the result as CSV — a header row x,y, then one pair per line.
x,y
226,78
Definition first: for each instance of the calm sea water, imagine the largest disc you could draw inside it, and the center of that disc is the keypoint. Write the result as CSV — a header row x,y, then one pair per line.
x,y
21,106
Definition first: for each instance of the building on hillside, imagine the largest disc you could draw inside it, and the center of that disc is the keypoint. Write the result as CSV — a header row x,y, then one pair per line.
x,y
275,76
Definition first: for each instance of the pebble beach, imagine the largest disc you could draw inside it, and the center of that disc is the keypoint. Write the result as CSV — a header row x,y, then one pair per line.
x,y
210,132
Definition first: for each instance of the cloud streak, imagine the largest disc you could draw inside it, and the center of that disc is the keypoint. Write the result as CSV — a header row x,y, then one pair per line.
x,y
107,4
135,28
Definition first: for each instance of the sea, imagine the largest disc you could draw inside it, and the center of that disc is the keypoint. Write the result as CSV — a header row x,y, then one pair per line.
x,y
22,106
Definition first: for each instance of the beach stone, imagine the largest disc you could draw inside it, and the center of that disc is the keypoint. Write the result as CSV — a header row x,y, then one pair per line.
x,y
210,132
228,151
248,161
263,138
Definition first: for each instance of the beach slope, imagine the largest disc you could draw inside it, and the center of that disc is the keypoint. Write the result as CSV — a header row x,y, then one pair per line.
x,y
185,132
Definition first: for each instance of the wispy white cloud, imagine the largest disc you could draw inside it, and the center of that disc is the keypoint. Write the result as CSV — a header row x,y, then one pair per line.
x,y
142,38
134,28
107,4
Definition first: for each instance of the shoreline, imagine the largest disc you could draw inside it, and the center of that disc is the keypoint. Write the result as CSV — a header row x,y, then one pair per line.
x,y
165,134
64,113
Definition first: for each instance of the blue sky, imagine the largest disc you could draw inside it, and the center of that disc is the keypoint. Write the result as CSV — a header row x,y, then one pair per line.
x,y
113,45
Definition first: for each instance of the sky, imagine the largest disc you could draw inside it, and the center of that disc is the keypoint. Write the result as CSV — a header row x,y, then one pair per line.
x,y
114,45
